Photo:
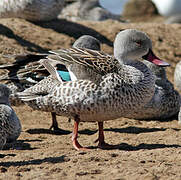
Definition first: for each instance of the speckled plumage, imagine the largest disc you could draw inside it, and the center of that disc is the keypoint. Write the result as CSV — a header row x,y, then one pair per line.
x,y
26,71
10,127
33,10
94,102
107,88
165,102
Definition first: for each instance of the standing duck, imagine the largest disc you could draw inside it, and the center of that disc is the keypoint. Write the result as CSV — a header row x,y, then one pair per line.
x,y
121,85
10,126
32,10
26,72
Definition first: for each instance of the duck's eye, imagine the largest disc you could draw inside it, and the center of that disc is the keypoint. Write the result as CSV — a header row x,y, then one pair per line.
x,y
138,43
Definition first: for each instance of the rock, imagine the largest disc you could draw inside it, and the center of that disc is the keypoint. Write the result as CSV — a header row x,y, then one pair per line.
x,y
139,8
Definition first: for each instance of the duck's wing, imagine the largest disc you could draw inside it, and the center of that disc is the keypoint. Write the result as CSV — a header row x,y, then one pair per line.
x,y
51,69
41,89
21,60
24,67
98,61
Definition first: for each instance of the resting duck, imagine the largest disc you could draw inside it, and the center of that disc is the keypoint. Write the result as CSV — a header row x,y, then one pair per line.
x,y
26,72
10,126
32,10
177,83
110,87
165,102
88,10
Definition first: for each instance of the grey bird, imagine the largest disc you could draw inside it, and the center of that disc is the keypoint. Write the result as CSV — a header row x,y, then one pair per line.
x,y
10,126
32,10
88,10
102,87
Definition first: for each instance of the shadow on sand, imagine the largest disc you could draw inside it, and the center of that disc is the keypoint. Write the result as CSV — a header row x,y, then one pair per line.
x,y
48,131
127,147
30,46
52,160
73,29
20,145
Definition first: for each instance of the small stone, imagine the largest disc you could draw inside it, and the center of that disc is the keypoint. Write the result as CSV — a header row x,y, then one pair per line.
x,y
143,161
2,169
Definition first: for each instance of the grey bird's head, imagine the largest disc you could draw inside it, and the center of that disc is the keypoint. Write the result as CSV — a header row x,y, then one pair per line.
x,y
131,44
87,42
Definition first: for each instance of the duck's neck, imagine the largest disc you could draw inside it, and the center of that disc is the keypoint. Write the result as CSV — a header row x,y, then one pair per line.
x,y
138,72
123,58
139,80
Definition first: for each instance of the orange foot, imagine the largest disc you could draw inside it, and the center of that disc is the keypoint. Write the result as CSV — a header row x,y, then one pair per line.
x,y
78,147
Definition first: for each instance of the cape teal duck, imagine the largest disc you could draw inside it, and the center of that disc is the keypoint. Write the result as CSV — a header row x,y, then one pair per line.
x,y
32,10
26,72
102,87
10,126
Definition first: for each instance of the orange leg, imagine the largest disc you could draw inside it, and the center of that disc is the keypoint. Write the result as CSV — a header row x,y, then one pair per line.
x,y
76,144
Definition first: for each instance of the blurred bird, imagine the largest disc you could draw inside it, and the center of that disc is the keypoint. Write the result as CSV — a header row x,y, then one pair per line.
x,y
168,7
32,10
88,10
10,126
177,83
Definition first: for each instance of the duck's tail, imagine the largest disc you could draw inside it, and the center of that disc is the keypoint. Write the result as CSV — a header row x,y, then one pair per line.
x,y
25,96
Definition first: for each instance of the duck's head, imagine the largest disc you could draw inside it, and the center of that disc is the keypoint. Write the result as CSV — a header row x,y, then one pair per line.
x,y
132,44
88,42
4,93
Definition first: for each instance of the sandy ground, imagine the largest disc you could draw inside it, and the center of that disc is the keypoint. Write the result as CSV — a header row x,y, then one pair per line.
x,y
148,150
